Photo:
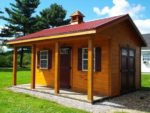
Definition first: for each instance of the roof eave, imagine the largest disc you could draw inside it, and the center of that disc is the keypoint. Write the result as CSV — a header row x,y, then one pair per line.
x,y
125,17
80,33
144,44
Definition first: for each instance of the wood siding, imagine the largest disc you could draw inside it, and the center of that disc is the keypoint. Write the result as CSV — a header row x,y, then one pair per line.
x,y
122,35
108,80
79,78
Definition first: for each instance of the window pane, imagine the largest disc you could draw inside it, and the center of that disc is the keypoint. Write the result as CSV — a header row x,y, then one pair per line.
x,y
85,56
131,53
65,51
43,54
124,52
43,61
85,50
44,64
85,64
146,57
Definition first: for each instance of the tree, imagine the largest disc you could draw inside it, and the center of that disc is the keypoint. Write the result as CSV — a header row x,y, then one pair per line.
x,y
1,13
51,17
20,18
6,32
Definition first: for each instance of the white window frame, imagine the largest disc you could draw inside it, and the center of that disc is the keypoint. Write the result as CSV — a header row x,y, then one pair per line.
x,y
43,59
94,59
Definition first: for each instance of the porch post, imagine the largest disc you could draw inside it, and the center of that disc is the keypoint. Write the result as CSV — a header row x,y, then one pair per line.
x,y
15,66
90,70
33,54
57,81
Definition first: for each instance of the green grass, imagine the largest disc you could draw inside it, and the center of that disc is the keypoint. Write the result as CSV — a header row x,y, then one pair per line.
x,y
146,80
11,102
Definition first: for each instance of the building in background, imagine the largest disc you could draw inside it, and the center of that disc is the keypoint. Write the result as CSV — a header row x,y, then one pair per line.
x,y
145,55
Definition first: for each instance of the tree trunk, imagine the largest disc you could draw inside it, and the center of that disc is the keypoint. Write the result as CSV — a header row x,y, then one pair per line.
x,y
21,57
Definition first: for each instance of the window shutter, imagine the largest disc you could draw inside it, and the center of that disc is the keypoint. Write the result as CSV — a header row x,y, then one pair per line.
x,y
38,59
97,59
79,58
49,59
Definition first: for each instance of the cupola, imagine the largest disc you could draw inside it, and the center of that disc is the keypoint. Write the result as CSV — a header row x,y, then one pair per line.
x,y
77,17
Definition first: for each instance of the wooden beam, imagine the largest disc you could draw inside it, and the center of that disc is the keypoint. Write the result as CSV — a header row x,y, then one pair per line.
x,y
33,57
90,70
57,76
15,66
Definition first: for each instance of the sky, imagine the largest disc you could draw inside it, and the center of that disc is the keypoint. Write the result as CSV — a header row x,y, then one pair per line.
x,y
139,10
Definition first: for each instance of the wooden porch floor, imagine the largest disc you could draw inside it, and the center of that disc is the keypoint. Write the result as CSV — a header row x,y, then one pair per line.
x,y
63,93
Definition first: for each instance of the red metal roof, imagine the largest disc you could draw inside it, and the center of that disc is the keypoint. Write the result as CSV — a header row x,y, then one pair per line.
x,y
91,25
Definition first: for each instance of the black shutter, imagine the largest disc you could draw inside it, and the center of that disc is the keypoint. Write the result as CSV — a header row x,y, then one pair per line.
x,y
79,58
49,59
97,59
38,59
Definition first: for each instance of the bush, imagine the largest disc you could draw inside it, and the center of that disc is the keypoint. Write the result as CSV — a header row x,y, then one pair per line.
x,y
3,60
26,59
9,60
6,59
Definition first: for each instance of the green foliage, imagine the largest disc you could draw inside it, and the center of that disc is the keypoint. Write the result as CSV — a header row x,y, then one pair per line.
x,y
21,20
6,59
27,59
6,32
20,16
52,17
11,102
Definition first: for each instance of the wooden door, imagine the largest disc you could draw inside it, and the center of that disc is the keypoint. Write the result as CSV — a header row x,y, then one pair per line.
x,y
127,70
65,67
131,70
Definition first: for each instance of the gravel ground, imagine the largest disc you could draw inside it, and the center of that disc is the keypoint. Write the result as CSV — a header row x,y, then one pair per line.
x,y
136,102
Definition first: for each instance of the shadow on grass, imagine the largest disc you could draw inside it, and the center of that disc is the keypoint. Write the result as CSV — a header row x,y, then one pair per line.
x,y
9,69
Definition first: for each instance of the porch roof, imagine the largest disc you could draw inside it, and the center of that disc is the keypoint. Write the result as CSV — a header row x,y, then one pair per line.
x,y
73,30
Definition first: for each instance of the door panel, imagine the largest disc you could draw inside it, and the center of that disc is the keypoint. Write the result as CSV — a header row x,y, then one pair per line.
x,y
127,70
124,70
65,67
131,65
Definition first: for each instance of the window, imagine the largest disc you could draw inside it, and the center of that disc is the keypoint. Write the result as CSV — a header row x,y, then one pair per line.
x,y
44,59
146,57
65,51
85,59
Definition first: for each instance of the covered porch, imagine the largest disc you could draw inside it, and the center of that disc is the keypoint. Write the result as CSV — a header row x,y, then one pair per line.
x,y
66,93
87,96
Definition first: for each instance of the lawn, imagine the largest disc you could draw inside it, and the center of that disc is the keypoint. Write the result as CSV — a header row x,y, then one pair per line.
x,y
21,103
11,102
146,80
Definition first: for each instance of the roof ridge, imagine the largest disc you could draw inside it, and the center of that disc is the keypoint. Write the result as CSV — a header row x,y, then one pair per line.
x,y
106,18
84,22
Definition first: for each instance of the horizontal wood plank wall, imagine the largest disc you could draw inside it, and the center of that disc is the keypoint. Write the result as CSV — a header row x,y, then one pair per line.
x,y
101,83
79,78
122,35
43,76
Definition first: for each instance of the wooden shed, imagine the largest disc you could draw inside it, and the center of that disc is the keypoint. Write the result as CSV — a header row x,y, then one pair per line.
x,y
101,57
